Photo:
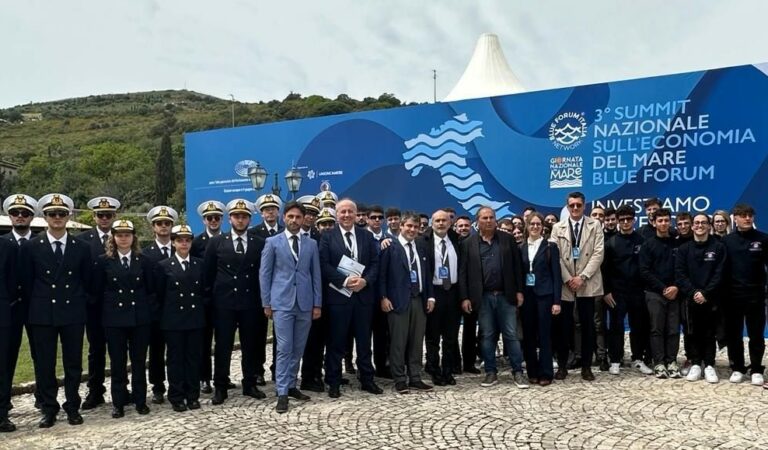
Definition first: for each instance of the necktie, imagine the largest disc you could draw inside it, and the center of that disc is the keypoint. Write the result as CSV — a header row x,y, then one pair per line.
x,y
272,232
22,240
575,233
240,248
348,235
104,239
165,252
414,269
185,265
295,246
58,253
446,264
125,263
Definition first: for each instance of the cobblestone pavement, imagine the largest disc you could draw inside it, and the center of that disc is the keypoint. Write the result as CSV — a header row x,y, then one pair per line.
x,y
630,411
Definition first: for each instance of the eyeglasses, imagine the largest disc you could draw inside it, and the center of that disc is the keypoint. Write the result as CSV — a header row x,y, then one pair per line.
x,y
534,224
213,218
164,223
575,205
58,214
698,223
626,219
16,213
376,217
104,215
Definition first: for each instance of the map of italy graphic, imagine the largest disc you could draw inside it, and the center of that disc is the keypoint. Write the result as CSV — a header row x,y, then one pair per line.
x,y
444,149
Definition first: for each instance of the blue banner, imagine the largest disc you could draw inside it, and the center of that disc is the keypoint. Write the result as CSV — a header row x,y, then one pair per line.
x,y
696,140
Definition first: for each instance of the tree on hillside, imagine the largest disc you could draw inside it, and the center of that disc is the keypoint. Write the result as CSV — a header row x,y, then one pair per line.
x,y
165,176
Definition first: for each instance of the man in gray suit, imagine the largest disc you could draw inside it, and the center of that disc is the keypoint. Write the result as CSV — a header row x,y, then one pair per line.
x,y
291,291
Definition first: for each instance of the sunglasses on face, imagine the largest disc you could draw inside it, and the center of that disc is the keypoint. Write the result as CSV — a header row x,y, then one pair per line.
x,y
104,215
626,219
575,205
164,223
213,218
58,214
16,213
376,217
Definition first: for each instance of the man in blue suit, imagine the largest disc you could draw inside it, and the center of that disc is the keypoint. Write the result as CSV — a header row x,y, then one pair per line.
x,y
405,285
291,289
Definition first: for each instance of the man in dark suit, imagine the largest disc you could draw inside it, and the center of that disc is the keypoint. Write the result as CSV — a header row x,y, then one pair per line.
x,y
379,325
104,210
212,212
269,206
230,276
21,210
443,323
349,314
405,284
496,294
8,294
55,271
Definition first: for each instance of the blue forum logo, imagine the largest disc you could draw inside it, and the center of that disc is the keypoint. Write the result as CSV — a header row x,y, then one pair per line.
x,y
241,168
567,130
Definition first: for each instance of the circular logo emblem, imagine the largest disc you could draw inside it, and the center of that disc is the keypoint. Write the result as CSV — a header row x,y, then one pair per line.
x,y
241,168
567,130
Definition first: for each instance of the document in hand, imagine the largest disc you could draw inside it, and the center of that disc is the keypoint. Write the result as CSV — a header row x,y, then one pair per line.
x,y
347,267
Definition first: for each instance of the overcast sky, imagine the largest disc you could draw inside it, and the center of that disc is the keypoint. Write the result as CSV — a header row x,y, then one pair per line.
x,y
262,50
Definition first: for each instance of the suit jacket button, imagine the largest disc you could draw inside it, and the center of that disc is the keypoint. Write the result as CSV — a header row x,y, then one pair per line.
x,y
47,272
181,295
119,291
181,307
114,279
192,294
193,306
66,286
235,289
53,286
67,302
53,301
133,303
69,273
177,283
131,291
235,277
120,304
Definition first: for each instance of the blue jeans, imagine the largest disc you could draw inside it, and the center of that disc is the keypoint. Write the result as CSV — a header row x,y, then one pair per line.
x,y
497,315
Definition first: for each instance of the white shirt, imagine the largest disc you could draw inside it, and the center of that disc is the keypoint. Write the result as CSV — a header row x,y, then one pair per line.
x,y
28,236
120,257
533,248
182,260
101,235
244,238
161,247
353,249
210,235
289,236
53,241
269,228
378,235
453,260
404,243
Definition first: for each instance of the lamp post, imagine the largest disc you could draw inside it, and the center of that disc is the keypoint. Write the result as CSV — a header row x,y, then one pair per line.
x,y
233,110
258,176
293,180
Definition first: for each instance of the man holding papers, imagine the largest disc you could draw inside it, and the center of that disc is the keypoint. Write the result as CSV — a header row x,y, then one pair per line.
x,y
350,265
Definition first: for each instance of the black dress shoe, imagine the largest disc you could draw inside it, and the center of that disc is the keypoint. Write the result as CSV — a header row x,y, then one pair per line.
x,y
344,381
457,370
38,404
158,399
92,401
205,387
179,407
401,387
219,395
603,365
371,388
334,392
259,381
587,375
142,409
472,369
193,404
297,394
231,385
117,412
74,418
561,373
6,426
437,380
420,386
575,363
282,404
254,392
47,421
449,380
312,386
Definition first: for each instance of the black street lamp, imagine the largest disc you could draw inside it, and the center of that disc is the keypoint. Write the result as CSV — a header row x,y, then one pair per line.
x,y
258,176
293,180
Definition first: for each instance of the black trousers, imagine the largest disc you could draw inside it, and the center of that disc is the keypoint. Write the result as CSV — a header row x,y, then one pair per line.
x,y
443,324
737,313
563,335
157,358
537,333
97,350
615,328
126,343
702,326
380,328
665,327
184,357
6,372
639,325
260,342
469,340
206,362
250,326
352,317
46,339
312,361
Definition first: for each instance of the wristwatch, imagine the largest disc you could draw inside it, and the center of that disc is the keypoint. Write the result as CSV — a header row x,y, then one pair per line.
x,y
583,277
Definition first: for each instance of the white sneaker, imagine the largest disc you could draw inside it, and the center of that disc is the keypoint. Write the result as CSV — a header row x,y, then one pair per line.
x,y
555,365
757,379
614,369
710,375
694,373
640,365
686,367
736,377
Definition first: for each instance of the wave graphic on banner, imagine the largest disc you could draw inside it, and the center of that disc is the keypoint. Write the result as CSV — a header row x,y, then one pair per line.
x,y
444,149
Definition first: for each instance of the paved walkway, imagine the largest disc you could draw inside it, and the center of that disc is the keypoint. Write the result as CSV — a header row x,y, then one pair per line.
x,y
630,411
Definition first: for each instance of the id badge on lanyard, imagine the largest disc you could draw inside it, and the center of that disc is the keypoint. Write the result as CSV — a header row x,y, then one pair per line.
x,y
530,279
442,273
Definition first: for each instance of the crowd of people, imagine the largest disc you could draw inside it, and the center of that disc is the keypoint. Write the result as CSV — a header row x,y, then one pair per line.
x,y
340,280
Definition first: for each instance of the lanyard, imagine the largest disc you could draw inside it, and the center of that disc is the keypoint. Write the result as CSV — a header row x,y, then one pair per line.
x,y
576,238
